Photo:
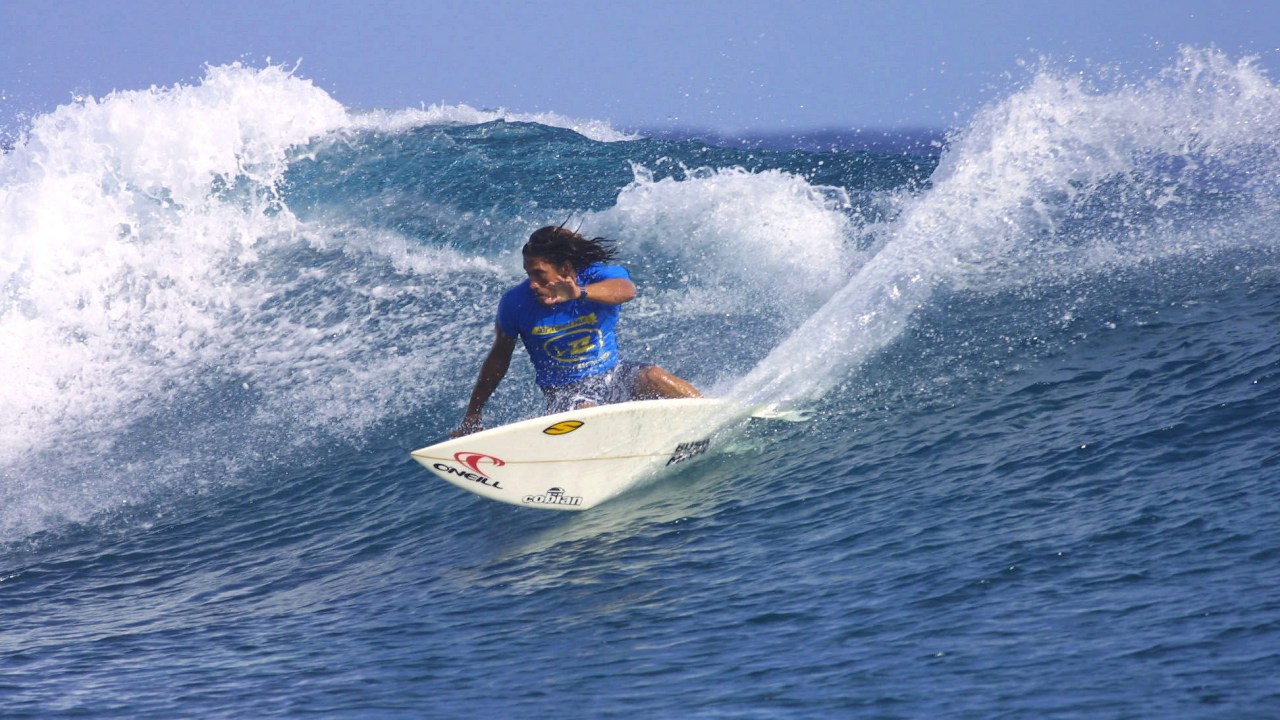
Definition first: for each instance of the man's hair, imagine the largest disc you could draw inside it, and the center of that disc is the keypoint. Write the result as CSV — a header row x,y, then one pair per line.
x,y
559,245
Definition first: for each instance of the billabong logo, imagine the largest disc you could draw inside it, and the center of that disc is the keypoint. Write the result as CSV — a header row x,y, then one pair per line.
x,y
563,428
474,460
553,496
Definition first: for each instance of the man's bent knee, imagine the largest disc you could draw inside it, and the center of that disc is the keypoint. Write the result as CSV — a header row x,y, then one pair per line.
x,y
654,382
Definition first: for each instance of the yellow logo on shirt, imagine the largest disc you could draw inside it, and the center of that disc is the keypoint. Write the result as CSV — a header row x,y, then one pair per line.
x,y
553,329
570,347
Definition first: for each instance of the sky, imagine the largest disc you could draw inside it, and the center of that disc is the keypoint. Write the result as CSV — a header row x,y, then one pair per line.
x,y
727,65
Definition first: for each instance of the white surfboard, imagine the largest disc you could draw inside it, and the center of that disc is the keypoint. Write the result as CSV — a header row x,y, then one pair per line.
x,y
578,459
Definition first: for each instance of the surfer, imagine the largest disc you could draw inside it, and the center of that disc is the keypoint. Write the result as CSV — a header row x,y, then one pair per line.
x,y
565,313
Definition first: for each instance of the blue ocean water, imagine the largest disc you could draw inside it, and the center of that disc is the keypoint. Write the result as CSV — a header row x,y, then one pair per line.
x,y
1041,361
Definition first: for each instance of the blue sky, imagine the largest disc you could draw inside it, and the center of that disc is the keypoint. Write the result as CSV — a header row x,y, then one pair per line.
x,y
716,64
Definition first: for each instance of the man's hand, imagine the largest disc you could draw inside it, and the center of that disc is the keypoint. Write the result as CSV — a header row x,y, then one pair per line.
x,y
469,425
562,290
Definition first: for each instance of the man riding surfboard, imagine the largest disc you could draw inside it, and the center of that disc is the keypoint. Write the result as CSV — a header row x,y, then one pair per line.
x,y
565,312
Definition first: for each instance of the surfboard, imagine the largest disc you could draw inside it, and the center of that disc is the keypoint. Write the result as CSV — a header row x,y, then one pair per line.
x,y
578,459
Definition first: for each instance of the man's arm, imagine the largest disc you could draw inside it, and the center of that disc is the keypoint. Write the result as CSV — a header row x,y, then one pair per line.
x,y
492,371
613,291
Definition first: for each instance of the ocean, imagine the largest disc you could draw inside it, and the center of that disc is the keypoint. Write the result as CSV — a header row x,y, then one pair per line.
x,y
1039,355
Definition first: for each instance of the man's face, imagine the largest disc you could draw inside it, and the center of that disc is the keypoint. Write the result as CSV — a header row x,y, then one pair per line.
x,y
542,273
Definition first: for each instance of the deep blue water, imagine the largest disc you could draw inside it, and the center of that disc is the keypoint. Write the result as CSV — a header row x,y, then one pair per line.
x,y
1041,363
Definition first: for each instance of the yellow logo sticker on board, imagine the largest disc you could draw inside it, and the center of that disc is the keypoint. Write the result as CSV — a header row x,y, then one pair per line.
x,y
563,428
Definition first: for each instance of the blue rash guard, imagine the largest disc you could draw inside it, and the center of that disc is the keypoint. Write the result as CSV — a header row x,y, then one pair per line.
x,y
569,341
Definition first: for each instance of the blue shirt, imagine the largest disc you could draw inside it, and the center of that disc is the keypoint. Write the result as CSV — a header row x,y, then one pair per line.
x,y
568,341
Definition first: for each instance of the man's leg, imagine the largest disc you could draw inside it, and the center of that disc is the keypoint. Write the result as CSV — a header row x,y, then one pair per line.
x,y
653,382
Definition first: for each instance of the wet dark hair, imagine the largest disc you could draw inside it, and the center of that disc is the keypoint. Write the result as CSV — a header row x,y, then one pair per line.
x,y
559,245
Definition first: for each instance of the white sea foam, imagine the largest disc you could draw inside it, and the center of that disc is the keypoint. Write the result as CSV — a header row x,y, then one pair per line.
x,y
1023,193
461,114
768,240
119,254
152,276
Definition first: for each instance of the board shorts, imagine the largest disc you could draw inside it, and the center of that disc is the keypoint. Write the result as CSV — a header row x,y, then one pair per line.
x,y
615,386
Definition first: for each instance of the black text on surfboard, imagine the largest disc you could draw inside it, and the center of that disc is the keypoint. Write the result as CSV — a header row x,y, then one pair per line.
x,y
553,496
468,475
687,450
